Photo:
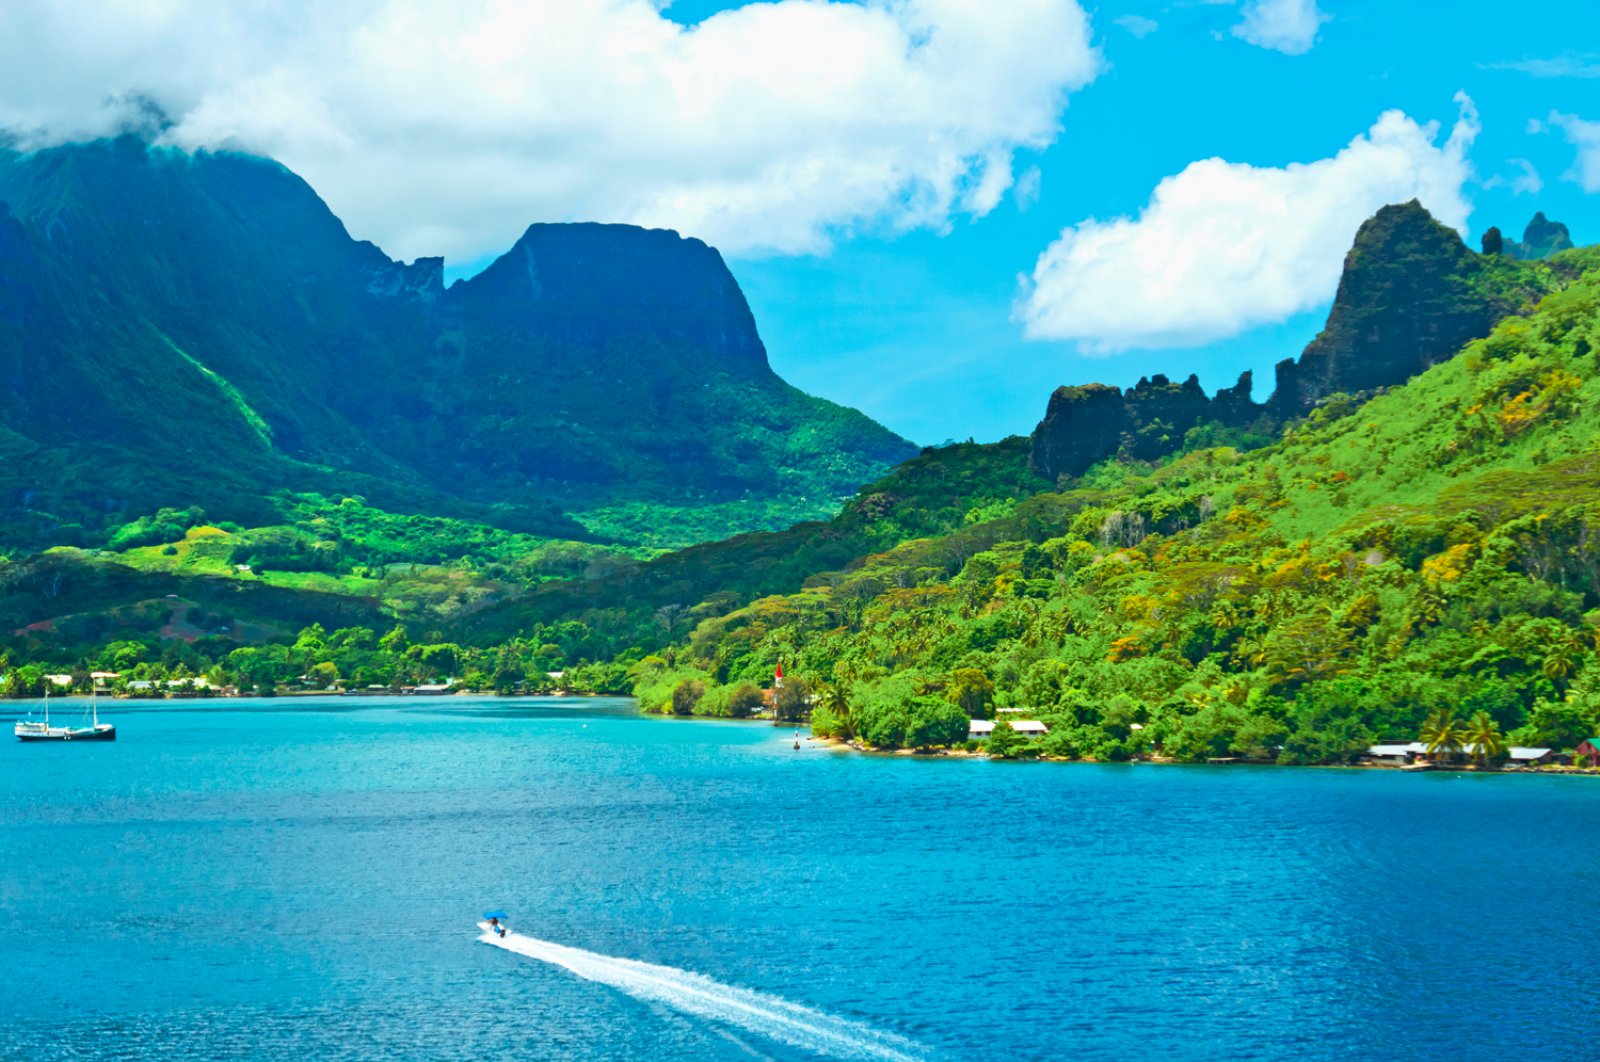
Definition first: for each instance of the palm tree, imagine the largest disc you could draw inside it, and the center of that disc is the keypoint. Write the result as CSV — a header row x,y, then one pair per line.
x,y
1564,658
1483,733
836,699
1441,733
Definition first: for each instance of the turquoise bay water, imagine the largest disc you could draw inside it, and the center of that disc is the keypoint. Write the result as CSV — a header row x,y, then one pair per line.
x,y
250,880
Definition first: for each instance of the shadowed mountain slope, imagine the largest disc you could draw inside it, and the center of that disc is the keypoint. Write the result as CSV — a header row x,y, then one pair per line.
x,y
201,330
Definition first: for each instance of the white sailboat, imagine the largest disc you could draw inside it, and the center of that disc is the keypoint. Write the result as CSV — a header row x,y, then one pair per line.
x,y
41,730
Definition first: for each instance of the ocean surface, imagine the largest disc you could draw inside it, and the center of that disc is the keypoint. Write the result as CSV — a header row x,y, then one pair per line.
x,y
299,878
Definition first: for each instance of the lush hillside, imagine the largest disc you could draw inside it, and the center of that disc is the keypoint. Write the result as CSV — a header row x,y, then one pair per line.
x,y
199,330
1434,547
175,590
942,490
1293,596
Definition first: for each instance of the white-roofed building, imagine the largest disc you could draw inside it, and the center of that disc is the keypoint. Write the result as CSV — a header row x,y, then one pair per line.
x,y
1393,755
1524,756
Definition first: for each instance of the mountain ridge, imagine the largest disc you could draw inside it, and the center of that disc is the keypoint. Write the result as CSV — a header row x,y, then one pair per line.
x,y
1410,294
220,284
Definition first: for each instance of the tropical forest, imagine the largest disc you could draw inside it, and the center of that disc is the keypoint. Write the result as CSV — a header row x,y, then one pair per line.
x,y
1403,541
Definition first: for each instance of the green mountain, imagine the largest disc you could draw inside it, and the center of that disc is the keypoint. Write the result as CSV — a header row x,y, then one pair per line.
x,y
1270,589
1434,547
1410,295
200,331
1540,239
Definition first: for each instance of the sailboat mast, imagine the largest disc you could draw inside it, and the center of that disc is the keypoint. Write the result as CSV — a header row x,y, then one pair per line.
x,y
47,707
94,708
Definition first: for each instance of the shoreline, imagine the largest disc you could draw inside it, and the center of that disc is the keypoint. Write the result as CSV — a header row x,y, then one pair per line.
x,y
837,745
829,743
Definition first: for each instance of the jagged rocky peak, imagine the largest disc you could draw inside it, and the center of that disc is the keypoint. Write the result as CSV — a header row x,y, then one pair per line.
x,y
1406,300
1089,423
1541,239
1412,294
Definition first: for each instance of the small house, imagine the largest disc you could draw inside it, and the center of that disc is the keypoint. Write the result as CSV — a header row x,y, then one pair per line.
x,y
59,680
1030,728
979,729
1390,755
1587,754
141,685
1522,756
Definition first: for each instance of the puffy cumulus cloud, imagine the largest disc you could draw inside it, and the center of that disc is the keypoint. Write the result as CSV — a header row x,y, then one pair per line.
x,y
1585,136
1288,26
445,127
1224,246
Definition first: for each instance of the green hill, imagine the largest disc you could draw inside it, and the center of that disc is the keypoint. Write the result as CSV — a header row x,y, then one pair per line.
x,y
1433,547
1293,594
199,330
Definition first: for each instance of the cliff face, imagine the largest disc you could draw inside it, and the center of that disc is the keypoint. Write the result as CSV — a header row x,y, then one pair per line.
x,y
596,285
1086,424
1407,299
205,326
1082,425
1411,295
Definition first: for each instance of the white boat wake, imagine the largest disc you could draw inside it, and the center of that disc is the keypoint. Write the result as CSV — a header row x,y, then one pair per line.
x,y
691,993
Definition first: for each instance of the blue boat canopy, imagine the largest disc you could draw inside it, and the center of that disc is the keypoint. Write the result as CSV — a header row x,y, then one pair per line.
x,y
494,914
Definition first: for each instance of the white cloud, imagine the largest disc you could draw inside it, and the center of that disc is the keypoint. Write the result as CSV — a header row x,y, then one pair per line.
x,y
1585,136
1026,192
436,127
1224,246
1576,66
1528,182
1288,26
1138,25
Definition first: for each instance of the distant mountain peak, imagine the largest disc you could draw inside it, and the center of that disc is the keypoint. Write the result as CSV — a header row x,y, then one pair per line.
x,y
1406,300
1411,295
601,283
207,322
1541,239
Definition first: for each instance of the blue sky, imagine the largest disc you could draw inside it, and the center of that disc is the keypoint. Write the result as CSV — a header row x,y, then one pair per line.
x,y
940,210
918,330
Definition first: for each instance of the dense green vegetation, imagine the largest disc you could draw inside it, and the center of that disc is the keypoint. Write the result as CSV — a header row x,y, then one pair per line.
x,y
345,563
354,658
200,330
1435,547
1416,562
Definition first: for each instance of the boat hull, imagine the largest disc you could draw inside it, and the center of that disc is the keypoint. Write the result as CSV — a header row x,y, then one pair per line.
x,y
103,732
